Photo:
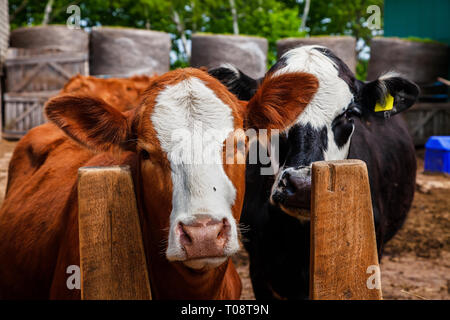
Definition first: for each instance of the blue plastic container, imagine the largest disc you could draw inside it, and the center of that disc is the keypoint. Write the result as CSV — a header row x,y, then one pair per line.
x,y
437,154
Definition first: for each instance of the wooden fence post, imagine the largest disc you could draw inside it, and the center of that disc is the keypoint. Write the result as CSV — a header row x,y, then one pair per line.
x,y
344,260
112,258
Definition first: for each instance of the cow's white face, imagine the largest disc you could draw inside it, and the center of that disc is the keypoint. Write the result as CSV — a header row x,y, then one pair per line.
x,y
323,131
192,124
332,99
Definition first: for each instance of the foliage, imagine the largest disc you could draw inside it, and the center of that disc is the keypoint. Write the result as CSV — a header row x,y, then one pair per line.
x,y
361,69
339,17
270,19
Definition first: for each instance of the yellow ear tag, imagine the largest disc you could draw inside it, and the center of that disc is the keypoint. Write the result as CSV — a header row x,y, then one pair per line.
x,y
389,104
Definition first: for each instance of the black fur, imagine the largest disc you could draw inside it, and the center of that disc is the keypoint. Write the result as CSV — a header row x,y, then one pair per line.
x,y
305,144
280,64
239,83
342,128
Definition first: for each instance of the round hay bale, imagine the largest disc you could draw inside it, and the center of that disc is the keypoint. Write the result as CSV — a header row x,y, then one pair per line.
x,y
125,52
421,62
247,53
57,37
342,46
4,31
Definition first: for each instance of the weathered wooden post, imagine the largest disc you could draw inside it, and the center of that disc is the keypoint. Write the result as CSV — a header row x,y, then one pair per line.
x,y
112,258
344,260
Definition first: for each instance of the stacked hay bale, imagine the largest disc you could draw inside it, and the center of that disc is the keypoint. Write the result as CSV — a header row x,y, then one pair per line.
x,y
4,30
123,52
4,40
419,61
247,53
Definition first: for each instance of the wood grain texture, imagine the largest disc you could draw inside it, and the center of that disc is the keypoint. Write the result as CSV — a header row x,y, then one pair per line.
x,y
112,258
343,243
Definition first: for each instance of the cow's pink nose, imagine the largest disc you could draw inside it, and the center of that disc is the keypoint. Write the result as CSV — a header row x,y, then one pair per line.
x,y
204,238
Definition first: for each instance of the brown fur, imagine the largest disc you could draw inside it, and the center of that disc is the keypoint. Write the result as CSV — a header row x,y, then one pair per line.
x,y
120,93
278,101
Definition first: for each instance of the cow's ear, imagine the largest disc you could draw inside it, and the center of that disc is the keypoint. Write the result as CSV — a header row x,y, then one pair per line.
x,y
280,100
91,122
388,95
237,82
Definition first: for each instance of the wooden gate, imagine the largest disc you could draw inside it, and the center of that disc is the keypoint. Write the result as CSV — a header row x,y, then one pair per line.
x,y
32,77
23,111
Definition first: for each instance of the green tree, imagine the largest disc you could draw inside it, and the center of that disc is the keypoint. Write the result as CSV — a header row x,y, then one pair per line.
x,y
341,17
270,19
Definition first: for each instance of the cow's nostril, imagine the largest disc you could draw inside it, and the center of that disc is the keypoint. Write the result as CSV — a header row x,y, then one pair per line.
x,y
278,197
184,236
224,231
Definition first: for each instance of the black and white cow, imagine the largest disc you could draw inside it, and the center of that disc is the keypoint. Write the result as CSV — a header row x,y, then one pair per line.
x,y
346,119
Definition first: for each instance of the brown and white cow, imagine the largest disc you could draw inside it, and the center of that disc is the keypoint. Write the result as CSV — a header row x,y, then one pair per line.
x,y
189,211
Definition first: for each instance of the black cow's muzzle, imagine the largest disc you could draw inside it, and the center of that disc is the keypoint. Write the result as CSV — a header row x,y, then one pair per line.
x,y
293,193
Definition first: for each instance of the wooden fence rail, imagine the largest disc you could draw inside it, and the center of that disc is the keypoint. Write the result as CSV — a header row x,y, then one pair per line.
x,y
343,245
112,258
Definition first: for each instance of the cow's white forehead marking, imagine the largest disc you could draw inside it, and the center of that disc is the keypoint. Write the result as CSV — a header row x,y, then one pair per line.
x,y
331,98
190,107
333,94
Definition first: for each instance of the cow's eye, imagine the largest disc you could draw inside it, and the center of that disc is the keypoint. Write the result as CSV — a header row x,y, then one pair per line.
x,y
145,155
353,110
342,128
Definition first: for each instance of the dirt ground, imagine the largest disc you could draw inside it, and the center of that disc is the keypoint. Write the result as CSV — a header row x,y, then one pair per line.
x,y
416,264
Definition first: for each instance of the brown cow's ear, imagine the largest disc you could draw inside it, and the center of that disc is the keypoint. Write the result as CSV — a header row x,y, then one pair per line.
x,y
280,100
90,121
